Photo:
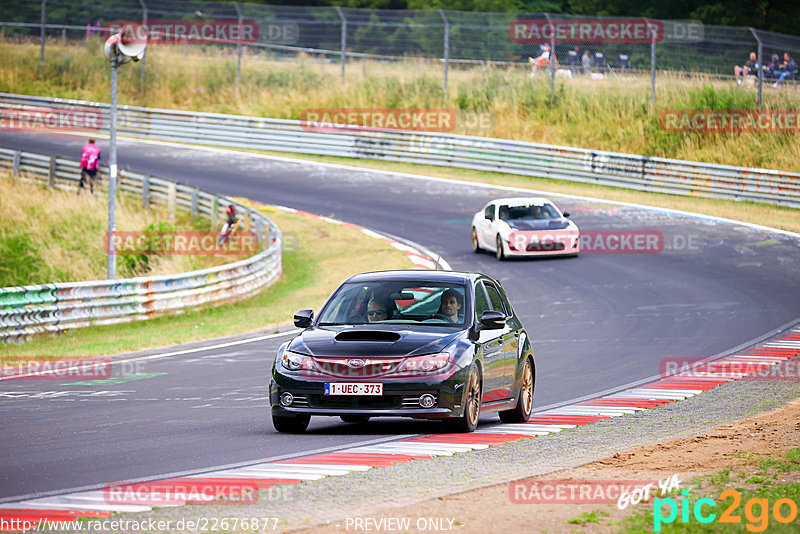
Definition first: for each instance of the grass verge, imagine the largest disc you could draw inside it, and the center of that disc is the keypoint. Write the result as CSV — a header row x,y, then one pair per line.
x,y
40,245
317,256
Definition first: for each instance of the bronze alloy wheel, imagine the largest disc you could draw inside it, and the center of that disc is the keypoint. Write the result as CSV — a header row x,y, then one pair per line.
x,y
501,255
522,411
475,245
468,422
473,407
526,391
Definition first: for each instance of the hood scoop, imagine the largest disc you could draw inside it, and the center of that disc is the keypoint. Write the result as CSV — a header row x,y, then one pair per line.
x,y
368,335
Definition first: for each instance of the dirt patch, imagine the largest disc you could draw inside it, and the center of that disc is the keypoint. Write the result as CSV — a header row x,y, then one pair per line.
x,y
736,446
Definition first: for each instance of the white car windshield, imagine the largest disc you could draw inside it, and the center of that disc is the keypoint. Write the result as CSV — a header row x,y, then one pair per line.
x,y
529,212
416,302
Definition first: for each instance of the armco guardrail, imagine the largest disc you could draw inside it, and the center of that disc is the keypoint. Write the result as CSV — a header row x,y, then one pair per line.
x,y
30,310
463,151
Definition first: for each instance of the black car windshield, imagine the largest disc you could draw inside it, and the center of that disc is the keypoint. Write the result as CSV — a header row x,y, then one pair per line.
x,y
529,212
391,302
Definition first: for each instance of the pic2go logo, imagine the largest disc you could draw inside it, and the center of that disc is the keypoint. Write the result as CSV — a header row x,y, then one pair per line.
x,y
756,511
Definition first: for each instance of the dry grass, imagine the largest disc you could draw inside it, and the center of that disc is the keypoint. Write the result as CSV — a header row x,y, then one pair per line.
x,y
317,257
40,244
611,114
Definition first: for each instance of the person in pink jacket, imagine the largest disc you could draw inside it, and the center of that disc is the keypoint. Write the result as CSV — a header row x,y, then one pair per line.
x,y
90,161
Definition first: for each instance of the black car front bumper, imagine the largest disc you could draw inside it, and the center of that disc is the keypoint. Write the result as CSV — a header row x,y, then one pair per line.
x,y
400,397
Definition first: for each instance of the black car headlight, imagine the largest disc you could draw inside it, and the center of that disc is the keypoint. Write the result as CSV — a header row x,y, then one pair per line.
x,y
292,361
426,365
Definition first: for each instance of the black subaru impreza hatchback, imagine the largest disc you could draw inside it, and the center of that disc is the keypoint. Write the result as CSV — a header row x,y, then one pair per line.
x,y
424,344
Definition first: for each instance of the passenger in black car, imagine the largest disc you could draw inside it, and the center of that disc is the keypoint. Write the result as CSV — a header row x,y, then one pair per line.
x,y
452,301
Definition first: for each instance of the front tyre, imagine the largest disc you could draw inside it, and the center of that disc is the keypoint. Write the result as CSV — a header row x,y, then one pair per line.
x,y
522,411
501,253
291,424
472,405
476,247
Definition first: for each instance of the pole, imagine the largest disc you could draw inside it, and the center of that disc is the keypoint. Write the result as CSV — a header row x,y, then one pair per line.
x,y
552,58
238,47
112,174
446,49
760,64
144,23
343,45
653,30
41,53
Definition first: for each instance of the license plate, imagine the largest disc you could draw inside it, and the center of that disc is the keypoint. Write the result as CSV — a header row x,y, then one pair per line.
x,y
353,388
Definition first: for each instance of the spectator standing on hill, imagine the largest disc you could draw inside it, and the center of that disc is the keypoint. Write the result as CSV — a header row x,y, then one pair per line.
x,y
586,61
750,67
90,160
785,69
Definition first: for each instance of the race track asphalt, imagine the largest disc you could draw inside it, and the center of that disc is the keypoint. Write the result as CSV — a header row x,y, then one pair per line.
x,y
598,321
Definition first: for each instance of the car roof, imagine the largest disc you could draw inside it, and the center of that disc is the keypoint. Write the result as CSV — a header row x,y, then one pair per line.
x,y
520,201
416,275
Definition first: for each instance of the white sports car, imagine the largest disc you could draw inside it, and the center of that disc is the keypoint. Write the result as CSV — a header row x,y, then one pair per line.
x,y
526,226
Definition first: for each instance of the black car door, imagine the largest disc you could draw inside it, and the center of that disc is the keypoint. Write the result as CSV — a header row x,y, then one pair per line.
x,y
509,339
496,385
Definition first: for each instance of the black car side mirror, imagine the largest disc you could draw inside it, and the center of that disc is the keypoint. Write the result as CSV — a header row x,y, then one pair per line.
x,y
493,320
566,214
303,318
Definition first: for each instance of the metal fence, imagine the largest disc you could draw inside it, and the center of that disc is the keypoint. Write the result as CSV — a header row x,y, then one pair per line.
x,y
451,38
449,150
29,310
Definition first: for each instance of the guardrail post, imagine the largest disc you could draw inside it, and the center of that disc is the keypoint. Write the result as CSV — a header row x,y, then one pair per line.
x,y
195,200
15,163
41,53
446,48
63,36
343,45
172,193
214,210
260,233
146,191
51,177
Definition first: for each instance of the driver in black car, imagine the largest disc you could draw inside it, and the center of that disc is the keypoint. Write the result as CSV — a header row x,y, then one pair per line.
x,y
377,310
451,305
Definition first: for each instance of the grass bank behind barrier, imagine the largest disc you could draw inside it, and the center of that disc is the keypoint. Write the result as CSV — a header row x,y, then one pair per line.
x,y
610,114
53,235
317,257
